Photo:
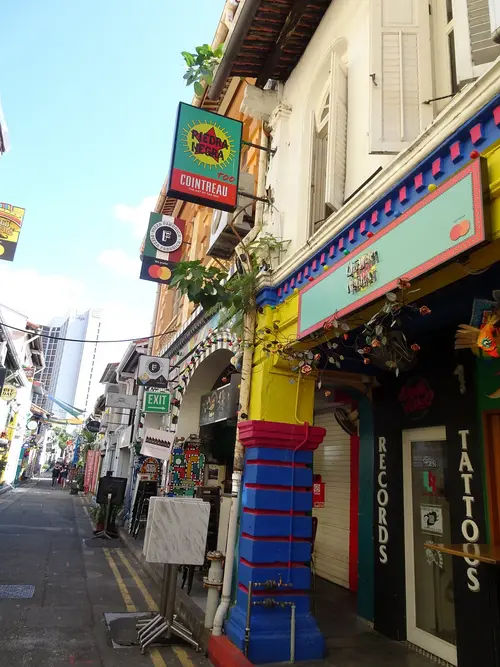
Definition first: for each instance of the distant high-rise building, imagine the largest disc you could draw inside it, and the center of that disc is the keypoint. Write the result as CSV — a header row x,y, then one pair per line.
x,y
70,363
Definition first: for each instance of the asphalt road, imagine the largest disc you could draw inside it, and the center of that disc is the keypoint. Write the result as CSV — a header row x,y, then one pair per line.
x,y
43,533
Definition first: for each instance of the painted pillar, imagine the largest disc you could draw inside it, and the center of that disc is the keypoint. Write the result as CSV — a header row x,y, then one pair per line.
x,y
276,523
275,542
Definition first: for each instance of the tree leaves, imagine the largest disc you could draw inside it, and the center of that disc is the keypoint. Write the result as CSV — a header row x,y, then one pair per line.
x,y
201,66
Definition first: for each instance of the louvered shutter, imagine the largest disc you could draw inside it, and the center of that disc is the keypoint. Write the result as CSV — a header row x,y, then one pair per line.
x,y
401,73
337,134
332,460
318,175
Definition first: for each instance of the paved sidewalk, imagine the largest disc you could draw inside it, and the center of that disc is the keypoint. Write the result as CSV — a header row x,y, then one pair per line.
x,y
43,549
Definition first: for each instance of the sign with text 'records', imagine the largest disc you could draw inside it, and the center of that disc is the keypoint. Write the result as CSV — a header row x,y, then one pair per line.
x,y
206,158
153,371
156,401
11,220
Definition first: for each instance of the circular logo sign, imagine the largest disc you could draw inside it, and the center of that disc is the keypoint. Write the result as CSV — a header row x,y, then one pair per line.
x,y
32,425
165,236
154,367
208,144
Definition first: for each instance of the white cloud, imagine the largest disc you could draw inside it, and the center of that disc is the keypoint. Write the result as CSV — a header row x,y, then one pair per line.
x,y
40,296
120,263
136,216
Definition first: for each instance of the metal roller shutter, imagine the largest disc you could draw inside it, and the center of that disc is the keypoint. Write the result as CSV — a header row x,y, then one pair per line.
x,y
332,460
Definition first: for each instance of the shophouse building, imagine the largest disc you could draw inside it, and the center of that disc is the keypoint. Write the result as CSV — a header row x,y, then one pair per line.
x,y
383,119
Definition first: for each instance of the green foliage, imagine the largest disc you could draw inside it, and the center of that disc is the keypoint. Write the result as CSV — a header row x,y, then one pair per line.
x,y
201,66
213,288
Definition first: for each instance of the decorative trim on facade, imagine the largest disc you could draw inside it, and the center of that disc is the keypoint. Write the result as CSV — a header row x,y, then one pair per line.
x,y
442,163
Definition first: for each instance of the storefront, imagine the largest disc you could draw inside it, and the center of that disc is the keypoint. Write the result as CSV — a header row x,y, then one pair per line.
x,y
416,465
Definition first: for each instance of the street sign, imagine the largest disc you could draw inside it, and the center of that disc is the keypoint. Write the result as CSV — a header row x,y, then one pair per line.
x,y
155,401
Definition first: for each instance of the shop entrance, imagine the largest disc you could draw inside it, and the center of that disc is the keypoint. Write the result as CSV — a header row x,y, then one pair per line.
x,y
430,606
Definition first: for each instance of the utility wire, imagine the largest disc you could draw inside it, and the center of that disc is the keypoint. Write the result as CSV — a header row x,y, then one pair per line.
x,y
81,340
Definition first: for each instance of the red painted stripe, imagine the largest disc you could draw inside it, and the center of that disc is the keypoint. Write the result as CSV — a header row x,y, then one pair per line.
x,y
246,562
354,518
247,510
278,487
266,592
279,464
202,186
256,538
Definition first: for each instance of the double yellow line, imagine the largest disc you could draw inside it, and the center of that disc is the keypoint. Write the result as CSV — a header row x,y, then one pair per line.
x,y
156,657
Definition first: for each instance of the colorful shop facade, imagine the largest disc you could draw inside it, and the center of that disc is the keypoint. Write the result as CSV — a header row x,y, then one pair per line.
x,y
391,399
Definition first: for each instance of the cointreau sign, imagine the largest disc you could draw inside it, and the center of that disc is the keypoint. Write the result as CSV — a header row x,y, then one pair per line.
x,y
206,158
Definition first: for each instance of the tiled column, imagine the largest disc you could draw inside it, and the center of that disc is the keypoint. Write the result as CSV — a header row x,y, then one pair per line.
x,y
275,541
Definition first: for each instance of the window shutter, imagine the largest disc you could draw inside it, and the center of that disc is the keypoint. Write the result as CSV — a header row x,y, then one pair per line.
x,y
474,48
318,176
337,134
400,71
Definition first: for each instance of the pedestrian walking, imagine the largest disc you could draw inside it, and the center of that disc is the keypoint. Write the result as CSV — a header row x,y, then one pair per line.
x,y
55,474
64,476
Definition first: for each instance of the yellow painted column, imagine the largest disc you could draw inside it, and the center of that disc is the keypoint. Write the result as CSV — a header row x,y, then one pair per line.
x,y
277,393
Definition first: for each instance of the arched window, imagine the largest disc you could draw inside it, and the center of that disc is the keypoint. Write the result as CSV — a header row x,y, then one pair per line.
x,y
329,142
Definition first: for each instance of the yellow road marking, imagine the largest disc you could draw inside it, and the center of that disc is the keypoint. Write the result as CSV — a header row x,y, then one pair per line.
x,y
152,606
156,658
183,657
154,653
121,584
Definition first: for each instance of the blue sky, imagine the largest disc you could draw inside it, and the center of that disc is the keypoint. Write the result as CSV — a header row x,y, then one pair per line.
x,y
89,91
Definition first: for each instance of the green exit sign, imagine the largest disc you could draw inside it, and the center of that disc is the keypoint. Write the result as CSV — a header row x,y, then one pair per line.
x,y
155,401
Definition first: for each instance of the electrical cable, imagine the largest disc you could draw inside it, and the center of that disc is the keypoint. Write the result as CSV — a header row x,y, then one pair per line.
x,y
81,340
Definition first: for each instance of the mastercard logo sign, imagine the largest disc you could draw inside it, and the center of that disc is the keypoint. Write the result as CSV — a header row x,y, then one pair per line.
x,y
159,272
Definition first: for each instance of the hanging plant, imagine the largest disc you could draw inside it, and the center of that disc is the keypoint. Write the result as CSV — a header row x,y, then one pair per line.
x,y
382,341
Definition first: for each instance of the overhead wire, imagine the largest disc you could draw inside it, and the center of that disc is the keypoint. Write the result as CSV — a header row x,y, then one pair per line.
x,y
82,340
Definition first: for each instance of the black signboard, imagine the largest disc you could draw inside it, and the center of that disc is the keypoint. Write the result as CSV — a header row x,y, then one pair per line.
x,y
221,403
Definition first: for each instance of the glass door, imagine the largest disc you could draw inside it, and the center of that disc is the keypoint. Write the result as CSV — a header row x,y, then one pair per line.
x,y
430,607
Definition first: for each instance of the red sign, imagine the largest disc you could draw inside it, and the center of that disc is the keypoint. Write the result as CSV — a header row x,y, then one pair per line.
x,y
318,494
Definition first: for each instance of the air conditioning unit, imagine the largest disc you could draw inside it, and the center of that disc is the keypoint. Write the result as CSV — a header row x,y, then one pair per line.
x,y
222,238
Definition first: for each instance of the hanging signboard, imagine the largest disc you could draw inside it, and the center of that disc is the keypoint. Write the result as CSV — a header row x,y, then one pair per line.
x,y
156,270
157,443
206,158
8,392
153,371
165,235
451,220
11,220
220,404
156,401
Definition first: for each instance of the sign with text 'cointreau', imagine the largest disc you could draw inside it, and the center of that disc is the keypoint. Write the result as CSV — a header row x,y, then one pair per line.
x,y
206,158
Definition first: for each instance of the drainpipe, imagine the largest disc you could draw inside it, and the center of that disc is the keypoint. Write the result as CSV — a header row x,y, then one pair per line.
x,y
246,376
240,30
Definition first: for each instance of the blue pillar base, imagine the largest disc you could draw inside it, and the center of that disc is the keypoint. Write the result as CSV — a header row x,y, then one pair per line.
x,y
270,635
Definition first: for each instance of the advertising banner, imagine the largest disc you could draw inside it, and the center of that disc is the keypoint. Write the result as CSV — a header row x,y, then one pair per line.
x,y
206,158
11,220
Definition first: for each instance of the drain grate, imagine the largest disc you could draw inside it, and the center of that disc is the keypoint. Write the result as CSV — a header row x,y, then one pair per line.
x,y
16,591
